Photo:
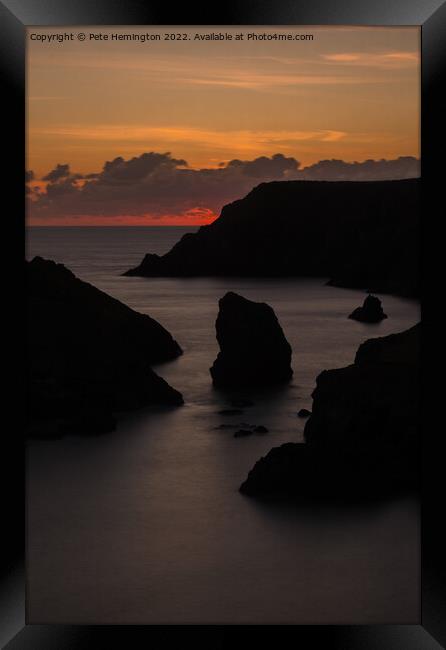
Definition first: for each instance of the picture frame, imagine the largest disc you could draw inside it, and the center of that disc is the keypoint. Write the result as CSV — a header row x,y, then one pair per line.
x,y
15,16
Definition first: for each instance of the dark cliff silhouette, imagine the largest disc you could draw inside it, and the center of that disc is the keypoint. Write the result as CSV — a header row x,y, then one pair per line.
x,y
361,438
358,234
88,355
253,347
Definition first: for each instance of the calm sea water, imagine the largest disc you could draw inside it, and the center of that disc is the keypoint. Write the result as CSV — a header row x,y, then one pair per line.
x,y
146,524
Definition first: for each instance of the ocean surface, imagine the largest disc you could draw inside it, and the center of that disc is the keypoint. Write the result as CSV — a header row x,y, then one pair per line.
x,y
146,524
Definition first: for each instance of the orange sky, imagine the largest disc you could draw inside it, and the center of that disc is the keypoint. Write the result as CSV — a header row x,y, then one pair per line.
x,y
351,94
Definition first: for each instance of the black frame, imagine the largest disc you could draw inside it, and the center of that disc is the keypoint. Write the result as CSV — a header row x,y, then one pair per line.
x,y
15,15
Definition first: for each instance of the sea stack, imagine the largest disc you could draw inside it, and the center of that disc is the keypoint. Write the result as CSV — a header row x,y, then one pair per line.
x,y
253,347
371,311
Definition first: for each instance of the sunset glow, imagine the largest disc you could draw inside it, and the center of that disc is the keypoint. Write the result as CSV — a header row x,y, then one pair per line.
x,y
167,132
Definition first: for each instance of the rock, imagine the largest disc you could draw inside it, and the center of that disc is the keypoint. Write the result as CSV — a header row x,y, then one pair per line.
x,y
253,347
242,433
230,412
359,234
242,403
282,472
89,355
49,429
362,436
370,312
93,421
227,426
243,427
304,413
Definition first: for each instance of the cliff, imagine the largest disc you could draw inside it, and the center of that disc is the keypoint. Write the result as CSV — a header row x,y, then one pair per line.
x,y
362,436
88,355
358,234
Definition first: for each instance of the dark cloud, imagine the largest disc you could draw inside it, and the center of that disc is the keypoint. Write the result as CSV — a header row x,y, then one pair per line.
x,y
60,171
138,168
157,184
63,188
339,170
29,176
264,167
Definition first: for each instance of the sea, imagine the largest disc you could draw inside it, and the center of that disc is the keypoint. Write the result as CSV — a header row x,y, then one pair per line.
x,y
145,525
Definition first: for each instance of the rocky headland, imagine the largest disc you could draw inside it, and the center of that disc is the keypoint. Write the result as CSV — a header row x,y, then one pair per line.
x,y
88,355
361,440
358,234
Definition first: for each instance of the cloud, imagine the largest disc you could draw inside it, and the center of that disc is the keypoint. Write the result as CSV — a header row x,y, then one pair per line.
x,y
339,170
29,176
156,185
60,171
259,73
246,139
139,167
32,185
267,81
392,60
264,167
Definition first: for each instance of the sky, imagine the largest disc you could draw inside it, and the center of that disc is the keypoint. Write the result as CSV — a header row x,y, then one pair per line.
x,y
165,132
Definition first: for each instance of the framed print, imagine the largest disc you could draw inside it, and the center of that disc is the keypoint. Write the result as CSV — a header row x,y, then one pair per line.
x,y
228,225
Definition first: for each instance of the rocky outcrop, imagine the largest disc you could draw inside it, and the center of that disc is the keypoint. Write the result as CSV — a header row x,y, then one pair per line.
x,y
371,311
359,234
362,437
243,427
88,355
253,347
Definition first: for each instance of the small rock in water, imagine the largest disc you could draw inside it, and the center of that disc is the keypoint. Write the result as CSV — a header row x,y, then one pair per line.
x,y
230,412
260,429
241,433
242,403
370,312
304,413
226,426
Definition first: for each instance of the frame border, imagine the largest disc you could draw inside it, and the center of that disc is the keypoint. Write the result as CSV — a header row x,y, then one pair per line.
x,y
15,16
